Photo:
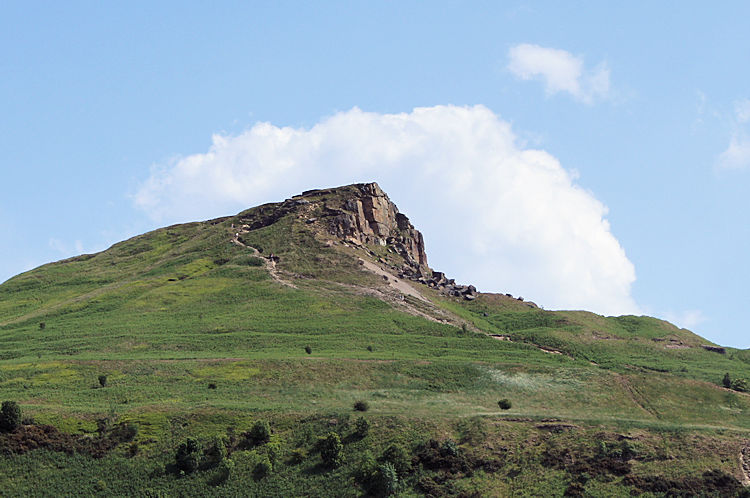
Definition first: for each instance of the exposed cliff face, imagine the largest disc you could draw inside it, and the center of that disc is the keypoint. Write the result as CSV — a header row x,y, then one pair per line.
x,y
367,215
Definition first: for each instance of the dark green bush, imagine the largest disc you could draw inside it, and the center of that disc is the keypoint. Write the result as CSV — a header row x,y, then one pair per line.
x,y
187,457
449,448
387,478
262,469
504,404
398,457
259,434
10,416
331,450
215,453
361,406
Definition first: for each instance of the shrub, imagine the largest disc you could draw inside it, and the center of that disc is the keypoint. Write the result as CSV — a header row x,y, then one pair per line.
x,y
739,385
102,380
398,457
361,406
727,381
273,450
449,448
308,350
504,404
331,450
215,453
259,434
361,427
262,469
10,416
387,479
187,456
223,472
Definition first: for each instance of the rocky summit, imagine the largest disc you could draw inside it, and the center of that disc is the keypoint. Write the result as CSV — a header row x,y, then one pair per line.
x,y
360,215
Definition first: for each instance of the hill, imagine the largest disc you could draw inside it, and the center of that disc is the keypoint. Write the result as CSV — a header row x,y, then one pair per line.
x,y
291,313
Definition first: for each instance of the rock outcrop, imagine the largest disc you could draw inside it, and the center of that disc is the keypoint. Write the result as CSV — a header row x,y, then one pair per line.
x,y
368,216
360,215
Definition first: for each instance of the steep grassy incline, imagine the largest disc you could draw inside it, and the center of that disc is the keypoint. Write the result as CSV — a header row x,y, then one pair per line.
x,y
270,314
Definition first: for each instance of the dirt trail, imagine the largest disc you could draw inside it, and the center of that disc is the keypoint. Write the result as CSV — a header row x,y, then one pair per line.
x,y
270,264
745,464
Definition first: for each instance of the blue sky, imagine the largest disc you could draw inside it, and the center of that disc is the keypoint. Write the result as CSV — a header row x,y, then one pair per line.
x,y
583,155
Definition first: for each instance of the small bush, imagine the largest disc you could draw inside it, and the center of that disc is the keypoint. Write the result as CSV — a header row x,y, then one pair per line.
x,y
331,450
727,381
398,457
259,434
223,472
505,404
102,380
10,416
133,449
308,350
361,427
262,469
387,479
215,453
361,406
187,456
449,448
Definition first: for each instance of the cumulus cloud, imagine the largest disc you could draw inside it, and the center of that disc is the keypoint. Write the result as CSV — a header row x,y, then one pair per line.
x,y
560,71
493,213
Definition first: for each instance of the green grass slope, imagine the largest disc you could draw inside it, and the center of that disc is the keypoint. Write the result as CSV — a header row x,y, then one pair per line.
x,y
199,335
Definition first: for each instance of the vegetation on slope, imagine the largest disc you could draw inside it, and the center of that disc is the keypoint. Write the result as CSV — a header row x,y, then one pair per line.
x,y
201,337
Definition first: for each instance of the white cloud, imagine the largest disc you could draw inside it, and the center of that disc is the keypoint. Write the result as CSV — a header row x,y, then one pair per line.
x,y
737,155
493,213
560,70
688,319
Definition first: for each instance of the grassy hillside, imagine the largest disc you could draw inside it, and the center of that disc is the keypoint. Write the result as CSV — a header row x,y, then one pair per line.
x,y
201,335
